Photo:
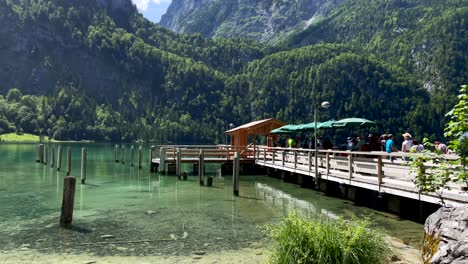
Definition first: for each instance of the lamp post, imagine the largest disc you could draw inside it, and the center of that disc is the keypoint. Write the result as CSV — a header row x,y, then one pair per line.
x,y
325,105
231,126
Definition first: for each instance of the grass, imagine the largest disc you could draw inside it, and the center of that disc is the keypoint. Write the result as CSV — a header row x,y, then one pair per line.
x,y
13,137
322,240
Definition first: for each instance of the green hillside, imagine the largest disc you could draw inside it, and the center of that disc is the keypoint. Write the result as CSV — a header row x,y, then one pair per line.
x,y
98,70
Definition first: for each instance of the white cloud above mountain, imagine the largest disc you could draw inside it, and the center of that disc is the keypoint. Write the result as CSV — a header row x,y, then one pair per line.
x,y
142,5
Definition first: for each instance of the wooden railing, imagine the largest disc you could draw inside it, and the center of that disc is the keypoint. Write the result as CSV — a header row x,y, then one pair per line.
x,y
372,170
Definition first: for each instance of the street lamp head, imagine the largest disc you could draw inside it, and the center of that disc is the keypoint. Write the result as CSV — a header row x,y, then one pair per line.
x,y
231,125
325,104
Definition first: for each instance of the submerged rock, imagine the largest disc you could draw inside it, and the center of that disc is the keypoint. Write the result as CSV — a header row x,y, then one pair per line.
x,y
446,236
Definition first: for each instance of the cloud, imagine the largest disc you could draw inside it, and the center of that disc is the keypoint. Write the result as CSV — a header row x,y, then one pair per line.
x,y
142,5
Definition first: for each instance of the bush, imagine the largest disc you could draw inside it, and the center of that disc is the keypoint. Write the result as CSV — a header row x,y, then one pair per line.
x,y
322,240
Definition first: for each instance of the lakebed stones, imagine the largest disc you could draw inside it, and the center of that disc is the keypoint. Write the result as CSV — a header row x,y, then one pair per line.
x,y
446,236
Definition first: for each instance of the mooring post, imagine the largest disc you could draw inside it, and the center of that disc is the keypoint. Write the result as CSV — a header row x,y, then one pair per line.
x,y
139,158
116,153
162,160
41,153
151,157
201,166
131,156
45,154
68,161
83,166
59,158
123,154
178,162
38,153
52,157
235,173
68,201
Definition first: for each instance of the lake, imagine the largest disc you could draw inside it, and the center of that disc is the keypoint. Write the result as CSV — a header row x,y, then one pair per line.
x,y
122,210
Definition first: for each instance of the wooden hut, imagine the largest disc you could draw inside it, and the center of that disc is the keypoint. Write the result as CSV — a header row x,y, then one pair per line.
x,y
240,135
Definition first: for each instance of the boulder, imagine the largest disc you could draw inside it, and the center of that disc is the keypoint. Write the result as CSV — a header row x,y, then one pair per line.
x,y
446,236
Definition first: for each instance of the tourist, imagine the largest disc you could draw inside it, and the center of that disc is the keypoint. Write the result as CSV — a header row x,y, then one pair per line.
x,y
291,143
441,147
416,148
408,143
350,143
361,141
383,140
327,143
374,144
390,146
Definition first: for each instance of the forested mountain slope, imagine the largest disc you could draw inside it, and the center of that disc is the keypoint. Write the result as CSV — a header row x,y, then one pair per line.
x,y
96,69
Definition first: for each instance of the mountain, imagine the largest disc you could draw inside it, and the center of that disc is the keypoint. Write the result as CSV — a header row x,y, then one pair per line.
x,y
262,20
96,69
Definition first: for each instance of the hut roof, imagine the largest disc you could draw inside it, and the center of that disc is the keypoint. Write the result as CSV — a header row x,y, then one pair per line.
x,y
260,127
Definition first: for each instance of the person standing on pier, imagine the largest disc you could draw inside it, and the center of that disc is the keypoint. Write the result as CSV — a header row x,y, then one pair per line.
x,y
390,146
408,143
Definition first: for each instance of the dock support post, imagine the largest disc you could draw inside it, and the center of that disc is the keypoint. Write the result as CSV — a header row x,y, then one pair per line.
x,y
68,161
273,156
162,160
52,157
45,154
310,161
379,171
68,201
283,158
83,166
59,158
235,173
131,156
295,159
178,162
139,158
151,157
38,153
123,154
116,153
350,166
328,163
201,166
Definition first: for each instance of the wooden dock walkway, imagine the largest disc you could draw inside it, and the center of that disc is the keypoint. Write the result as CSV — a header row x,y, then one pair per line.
x,y
368,170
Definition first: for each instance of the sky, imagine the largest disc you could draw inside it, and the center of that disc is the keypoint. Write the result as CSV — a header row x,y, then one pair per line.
x,y
152,9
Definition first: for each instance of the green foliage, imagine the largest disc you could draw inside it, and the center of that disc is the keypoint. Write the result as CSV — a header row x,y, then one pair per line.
x,y
456,130
321,240
434,179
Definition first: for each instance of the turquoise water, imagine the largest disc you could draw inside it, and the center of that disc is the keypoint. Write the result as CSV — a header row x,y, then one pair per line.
x,y
122,210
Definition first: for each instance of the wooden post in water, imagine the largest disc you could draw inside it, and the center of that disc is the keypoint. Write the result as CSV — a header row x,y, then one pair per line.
x,y
116,153
139,158
201,166
45,154
68,201
123,154
52,157
59,158
38,153
68,161
178,162
41,153
235,173
151,156
131,156
162,160
83,166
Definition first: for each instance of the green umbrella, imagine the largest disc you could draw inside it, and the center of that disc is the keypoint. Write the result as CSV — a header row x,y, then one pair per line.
x,y
281,131
326,125
292,128
353,122
310,126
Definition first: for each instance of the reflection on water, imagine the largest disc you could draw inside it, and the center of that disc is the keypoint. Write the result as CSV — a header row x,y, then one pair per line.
x,y
125,211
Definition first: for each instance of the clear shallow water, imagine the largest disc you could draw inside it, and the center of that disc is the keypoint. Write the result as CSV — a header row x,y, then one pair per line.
x,y
149,213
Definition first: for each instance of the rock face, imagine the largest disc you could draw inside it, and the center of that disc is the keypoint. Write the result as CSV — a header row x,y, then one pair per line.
x,y
446,236
263,20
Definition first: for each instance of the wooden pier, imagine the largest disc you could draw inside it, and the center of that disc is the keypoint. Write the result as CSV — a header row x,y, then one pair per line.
x,y
367,170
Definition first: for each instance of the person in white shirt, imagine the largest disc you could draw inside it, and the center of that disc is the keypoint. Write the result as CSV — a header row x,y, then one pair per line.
x,y
408,143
